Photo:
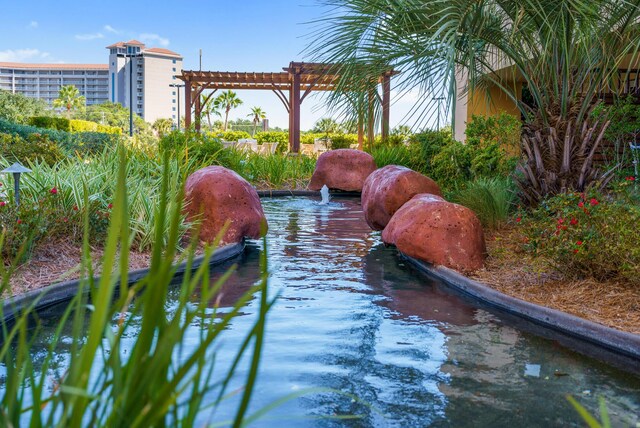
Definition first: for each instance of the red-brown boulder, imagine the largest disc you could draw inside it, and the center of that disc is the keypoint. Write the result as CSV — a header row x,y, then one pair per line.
x,y
389,188
216,195
342,169
439,232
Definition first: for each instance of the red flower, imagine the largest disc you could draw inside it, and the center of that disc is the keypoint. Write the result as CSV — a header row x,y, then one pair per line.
x,y
557,232
594,202
560,220
53,191
75,208
573,221
2,203
518,219
581,204
575,251
110,206
579,243
630,178
19,221
65,219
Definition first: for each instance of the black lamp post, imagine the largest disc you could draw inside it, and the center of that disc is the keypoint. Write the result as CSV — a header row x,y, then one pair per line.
x,y
175,85
130,56
16,169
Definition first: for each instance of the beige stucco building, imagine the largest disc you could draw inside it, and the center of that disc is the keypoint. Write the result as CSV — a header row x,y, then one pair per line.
x,y
154,71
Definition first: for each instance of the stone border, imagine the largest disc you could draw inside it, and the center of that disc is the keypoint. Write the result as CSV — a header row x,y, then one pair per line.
x,y
616,341
55,294
281,193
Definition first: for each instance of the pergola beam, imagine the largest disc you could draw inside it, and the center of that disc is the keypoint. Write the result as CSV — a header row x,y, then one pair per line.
x,y
299,79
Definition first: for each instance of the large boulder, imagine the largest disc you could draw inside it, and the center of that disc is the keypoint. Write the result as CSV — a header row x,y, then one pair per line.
x,y
439,232
389,188
342,169
216,195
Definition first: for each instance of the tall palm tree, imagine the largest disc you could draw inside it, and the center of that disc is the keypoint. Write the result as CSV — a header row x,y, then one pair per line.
x,y
564,51
326,126
227,101
257,114
69,98
208,108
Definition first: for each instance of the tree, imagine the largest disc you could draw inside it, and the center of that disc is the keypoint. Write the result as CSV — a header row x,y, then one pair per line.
x,y
162,126
226,101
403,130
114,114
17,108
564,51
326,126
69,98
257,114
208,108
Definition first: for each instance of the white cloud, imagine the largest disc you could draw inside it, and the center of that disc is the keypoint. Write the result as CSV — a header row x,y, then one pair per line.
x,y
108,28
32,25
21,55
154,38
89,36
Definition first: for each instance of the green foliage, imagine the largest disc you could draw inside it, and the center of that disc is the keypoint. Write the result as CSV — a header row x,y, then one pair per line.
x,y
69,99
430,143
396,155
282,138
502,130
491,199
162,126
50,122
34,148
587,235
452,165
18,108
83,142
232,135
203,148
109,380
342,141
624,127
114,114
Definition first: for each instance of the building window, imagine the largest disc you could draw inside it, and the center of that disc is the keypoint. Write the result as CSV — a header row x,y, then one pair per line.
x,y
174,109
174,61
174,101
173,116
173,77
173,93
174,69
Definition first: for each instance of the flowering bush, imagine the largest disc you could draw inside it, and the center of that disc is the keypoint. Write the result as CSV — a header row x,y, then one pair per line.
x,y
587,235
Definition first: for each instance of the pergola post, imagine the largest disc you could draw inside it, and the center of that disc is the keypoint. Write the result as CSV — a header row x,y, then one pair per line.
x,y
386,104
187,105
294,113
198,112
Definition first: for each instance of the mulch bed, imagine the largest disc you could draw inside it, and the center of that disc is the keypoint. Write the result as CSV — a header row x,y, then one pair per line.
x,y
510,270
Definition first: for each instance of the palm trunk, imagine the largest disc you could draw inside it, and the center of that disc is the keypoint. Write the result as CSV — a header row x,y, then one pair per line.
x,y
226,118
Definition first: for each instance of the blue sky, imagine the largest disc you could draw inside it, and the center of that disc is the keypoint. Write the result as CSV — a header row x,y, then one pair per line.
x,y
248,35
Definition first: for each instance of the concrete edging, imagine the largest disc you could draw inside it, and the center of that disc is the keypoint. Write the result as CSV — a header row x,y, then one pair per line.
x,y
617,341
281,193
64,291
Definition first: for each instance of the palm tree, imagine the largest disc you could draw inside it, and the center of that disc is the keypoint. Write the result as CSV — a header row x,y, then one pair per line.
x,y
226,101
208,108
564,51
162,126
257,115
69,98
326,126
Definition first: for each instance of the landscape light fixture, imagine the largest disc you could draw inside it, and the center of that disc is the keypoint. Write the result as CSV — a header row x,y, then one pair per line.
x,y
16,169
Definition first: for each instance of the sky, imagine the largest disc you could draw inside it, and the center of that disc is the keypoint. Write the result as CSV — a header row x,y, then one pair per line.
x,y
247,35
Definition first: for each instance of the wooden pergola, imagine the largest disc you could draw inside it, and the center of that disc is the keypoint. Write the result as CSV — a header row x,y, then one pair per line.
x,y
291,86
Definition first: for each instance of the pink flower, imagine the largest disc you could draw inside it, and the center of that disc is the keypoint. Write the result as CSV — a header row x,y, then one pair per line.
x,y
581,204
110,206
2,203
560,220
53,191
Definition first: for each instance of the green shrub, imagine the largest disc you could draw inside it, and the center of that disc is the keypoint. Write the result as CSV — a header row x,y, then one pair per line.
x,y
491,199
342,141
587,236
452,164
502,130
282,138
18,108
203,147
84,142
51,122
231,135
430,143
35,148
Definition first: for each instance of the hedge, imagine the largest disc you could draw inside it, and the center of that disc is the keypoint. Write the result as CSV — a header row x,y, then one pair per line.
x,y
83,142
72,125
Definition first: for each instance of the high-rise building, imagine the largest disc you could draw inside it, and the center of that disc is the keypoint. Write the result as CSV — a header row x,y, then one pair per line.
x,y
151,71
45,80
